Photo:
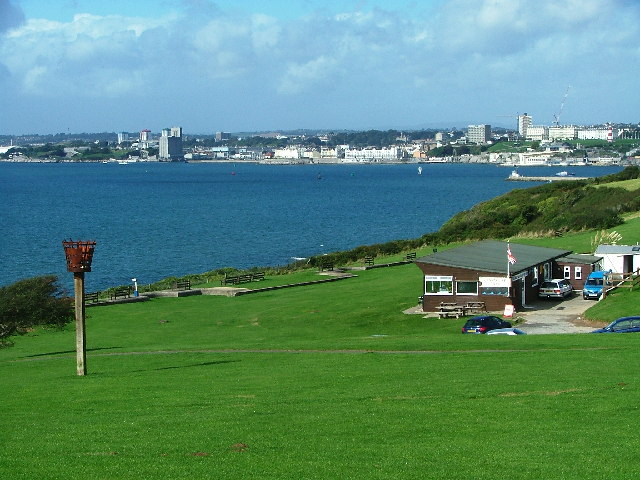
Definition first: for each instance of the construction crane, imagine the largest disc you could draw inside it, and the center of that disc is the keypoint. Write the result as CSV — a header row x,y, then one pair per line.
x,y
556,117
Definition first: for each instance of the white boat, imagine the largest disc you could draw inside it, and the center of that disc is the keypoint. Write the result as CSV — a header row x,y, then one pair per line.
x,y
564,173
419,170
514,174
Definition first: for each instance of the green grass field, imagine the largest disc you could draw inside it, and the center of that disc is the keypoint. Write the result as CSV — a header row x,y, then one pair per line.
x,y
317,382
630,185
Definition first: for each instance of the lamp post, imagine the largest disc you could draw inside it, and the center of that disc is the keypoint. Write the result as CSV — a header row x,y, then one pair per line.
x,y
79,255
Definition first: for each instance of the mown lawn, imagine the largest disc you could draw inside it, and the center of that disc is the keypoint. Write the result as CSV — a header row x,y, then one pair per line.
x,y
326,381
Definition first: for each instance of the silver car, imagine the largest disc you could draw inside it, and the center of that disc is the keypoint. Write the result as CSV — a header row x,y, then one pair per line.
x,y
558,288
506,331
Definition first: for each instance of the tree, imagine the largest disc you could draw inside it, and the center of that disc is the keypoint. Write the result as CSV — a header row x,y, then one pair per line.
x,y
33,301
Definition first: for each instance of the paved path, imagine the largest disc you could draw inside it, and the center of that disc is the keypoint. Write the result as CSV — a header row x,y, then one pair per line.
x,y
557,316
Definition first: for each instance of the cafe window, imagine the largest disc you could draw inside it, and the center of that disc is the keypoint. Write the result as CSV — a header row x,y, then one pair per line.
x,y
438,285
498,291
466,288
577,273
567,272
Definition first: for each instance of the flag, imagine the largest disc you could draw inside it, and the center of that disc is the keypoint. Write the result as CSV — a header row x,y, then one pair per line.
x,y
510,256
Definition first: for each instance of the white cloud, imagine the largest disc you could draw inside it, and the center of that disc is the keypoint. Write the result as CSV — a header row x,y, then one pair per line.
x,y
299,77
453,59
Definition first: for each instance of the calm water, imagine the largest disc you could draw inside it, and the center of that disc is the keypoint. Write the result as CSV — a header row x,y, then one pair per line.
x,y
157,220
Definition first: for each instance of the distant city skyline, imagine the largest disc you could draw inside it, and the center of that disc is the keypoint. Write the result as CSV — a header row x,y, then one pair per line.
x,y
245,65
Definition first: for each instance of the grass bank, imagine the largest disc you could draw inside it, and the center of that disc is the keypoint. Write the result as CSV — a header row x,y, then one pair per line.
x,y
326,381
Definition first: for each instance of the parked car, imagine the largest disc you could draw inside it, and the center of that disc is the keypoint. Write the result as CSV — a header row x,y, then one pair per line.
x,y
484,324
558,287
621,325
506,331
593,285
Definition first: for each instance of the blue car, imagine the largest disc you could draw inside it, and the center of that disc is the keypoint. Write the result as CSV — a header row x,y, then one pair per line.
x,y
594,285
621,325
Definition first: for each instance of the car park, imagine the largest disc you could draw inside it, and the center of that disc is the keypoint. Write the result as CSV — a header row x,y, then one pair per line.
x,y
593,285
484,324
556,288
506,331
621,325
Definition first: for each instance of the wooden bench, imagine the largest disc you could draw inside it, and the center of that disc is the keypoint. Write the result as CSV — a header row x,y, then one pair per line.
x,y
446,310
257,276
183,284
369,260
124,292
326,266
475,307
230,280
411,256
91,297
244,278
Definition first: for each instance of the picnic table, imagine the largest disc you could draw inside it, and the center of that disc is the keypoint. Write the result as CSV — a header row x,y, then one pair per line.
x,y
446,310
475,307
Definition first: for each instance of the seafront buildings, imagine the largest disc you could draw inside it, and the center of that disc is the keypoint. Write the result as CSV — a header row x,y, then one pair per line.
x,y
532,145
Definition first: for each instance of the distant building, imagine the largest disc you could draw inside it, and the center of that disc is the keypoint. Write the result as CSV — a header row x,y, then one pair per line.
x,y
598,133
568,132
222,136
390,154
537,133
292,153
524,121
123,137
170,147
478,134
145,137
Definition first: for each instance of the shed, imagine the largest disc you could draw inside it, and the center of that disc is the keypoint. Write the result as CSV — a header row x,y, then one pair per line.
x,y
619,258
481,272
576,267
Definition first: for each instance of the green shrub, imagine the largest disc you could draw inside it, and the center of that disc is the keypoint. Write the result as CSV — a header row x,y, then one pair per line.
x,y
33,301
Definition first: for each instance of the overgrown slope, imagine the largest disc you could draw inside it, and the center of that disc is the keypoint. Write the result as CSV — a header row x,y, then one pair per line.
x,y
558,206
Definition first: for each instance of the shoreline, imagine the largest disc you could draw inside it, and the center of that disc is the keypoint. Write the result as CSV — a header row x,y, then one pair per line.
x,y
331,161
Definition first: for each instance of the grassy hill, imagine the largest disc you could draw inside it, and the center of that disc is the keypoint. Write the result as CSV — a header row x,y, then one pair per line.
x,y
325,381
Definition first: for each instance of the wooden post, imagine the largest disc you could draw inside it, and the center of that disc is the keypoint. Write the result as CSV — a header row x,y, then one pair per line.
x,y
79,255
81,349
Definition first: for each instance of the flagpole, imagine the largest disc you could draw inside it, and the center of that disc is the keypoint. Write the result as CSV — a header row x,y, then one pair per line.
x,y
508,262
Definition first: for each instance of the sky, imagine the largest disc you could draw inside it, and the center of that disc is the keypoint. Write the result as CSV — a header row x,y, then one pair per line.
x,y
73,66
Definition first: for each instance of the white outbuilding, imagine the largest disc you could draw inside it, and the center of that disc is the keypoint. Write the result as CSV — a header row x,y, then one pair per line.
x,y
619,258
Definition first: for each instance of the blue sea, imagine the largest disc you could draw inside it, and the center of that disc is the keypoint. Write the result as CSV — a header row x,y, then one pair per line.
x,y
155,220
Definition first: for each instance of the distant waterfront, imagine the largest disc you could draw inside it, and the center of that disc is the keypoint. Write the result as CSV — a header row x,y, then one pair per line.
x,y
154,220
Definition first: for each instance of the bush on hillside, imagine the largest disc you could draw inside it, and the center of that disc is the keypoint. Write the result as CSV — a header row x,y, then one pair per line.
x,y
33,301
558,206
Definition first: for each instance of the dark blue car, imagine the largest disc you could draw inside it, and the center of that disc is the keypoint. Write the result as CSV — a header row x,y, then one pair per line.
x,y
621,325
484,324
